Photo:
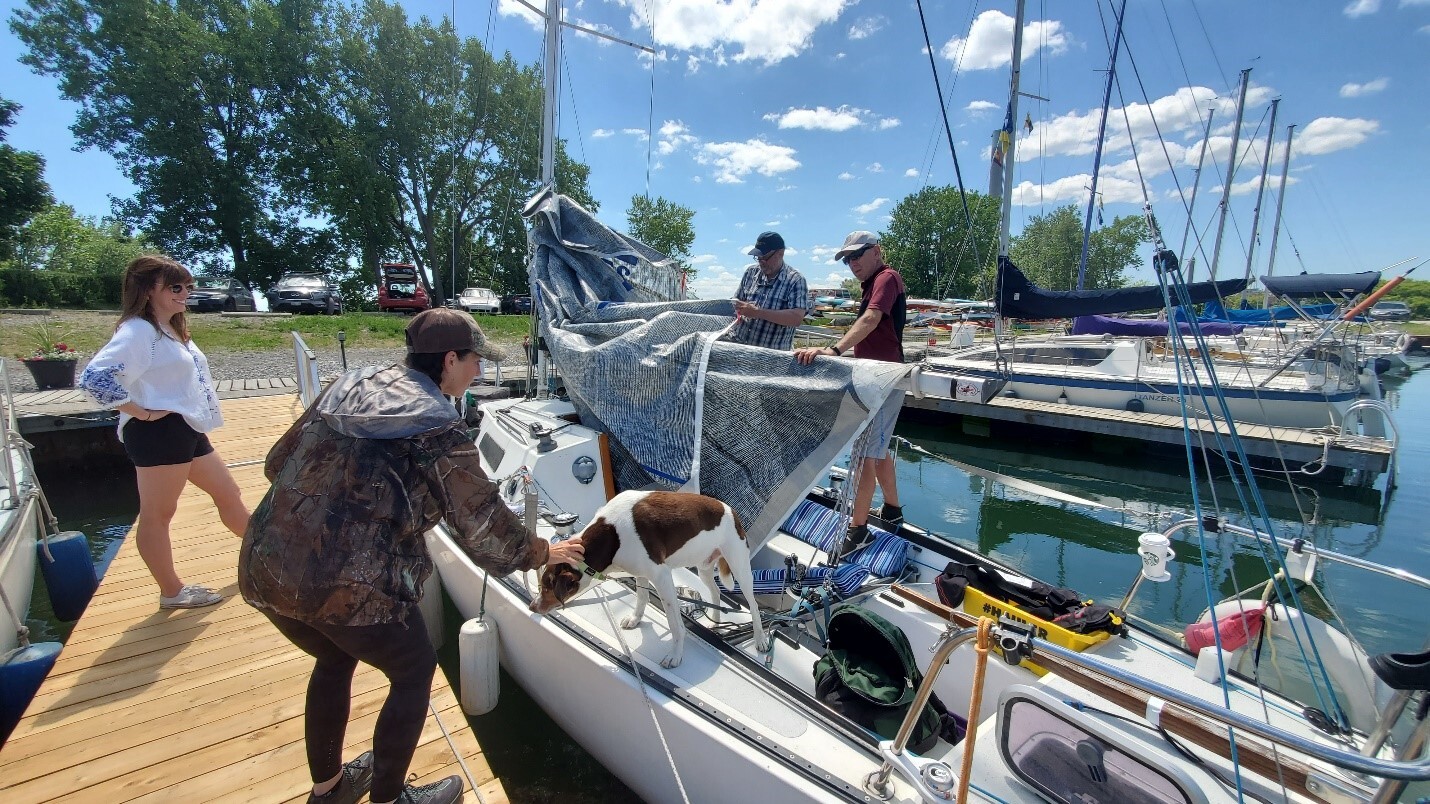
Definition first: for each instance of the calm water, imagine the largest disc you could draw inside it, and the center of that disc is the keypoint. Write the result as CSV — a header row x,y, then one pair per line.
x,y
1089,550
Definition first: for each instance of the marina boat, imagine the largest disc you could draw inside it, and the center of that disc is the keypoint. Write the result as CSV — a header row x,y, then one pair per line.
x,y
1141,372
657,401
30,540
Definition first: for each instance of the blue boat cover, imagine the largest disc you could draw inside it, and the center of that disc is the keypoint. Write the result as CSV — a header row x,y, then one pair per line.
x,y
1108,325
1018,297
1214,311
1302,286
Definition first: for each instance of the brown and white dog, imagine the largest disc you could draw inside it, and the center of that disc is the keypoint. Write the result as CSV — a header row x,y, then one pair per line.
x,y
648,534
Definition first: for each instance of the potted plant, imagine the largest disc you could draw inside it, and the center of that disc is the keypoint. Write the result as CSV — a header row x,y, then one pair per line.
x,y
51,361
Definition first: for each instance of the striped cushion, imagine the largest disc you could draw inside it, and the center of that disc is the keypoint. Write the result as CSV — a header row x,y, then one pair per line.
x,y
846,578
822,527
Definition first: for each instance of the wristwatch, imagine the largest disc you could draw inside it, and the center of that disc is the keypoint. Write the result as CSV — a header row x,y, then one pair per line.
x,y
837,350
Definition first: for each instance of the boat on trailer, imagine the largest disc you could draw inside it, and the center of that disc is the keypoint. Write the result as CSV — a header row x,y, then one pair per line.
x,y
657,400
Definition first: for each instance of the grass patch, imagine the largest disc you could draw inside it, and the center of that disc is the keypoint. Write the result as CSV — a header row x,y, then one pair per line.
x,y
87,331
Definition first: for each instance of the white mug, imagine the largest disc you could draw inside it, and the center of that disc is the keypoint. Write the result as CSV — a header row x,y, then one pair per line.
x,y
1155,551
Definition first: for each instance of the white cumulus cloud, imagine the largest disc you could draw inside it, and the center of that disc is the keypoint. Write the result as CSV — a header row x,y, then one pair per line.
x,y
820,118
1353,90
990,41
911,173
1360,8
733,161
872,206
674,134
1326,134
866,27
888,123
846,176
768,31
602,133
980,107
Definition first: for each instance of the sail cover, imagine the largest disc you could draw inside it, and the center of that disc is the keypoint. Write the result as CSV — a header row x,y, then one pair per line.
x,y
1018,297
684,410
1304,286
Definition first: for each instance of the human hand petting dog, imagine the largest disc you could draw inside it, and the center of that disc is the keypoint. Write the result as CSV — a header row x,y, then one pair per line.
x,y
567,552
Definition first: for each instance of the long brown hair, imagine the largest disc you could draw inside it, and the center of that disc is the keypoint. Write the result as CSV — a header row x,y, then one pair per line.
x,y
140,278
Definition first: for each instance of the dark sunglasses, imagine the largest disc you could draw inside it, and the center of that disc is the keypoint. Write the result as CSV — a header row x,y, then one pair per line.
x,y
180,288
848,258
768,254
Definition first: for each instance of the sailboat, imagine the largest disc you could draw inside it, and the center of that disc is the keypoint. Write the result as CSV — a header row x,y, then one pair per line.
x,y
1076,710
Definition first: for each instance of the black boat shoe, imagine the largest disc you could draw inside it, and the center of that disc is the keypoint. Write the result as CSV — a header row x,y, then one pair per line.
x,y
892,514
857,537
1403,671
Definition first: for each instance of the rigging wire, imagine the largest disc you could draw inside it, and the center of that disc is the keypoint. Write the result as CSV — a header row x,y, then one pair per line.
x,y
650,112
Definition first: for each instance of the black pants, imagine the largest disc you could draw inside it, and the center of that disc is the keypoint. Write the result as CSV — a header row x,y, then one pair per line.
x,y
404,654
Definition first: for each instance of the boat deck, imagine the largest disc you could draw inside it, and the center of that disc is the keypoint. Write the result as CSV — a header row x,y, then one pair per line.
x,y
203,704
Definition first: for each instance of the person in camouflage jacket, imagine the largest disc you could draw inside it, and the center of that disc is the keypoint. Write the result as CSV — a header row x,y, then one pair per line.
x,y
335,554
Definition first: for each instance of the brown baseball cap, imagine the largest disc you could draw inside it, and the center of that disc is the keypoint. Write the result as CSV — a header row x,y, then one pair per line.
x,y
443,329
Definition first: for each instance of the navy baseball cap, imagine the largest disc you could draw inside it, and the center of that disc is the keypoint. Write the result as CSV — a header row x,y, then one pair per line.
x,y
765,243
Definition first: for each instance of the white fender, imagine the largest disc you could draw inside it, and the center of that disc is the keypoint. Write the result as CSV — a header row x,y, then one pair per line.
x,y
1359,692
479,647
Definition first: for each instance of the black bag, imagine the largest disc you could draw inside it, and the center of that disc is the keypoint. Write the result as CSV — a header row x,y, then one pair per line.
x,y
868,674
1092,618
1033,597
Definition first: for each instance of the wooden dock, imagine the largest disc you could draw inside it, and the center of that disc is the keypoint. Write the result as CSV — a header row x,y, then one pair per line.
x,y
1284,445
202,705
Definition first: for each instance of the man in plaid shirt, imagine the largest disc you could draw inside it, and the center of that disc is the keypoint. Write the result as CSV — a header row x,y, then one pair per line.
x,y
771,299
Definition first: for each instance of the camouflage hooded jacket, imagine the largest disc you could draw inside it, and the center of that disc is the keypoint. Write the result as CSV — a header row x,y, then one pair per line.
x,y
372,465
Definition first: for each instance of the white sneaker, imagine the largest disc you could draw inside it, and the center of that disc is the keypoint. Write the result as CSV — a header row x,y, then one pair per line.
x,y
190,597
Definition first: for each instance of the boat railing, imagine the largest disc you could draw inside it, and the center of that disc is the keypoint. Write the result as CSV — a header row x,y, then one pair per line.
x,y
9,430
1171,703
307,365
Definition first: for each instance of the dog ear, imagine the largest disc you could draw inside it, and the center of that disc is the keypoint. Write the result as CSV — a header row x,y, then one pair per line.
x,y
565,581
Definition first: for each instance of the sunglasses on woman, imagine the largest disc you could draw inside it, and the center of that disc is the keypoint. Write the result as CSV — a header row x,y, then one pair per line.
x,y
179,287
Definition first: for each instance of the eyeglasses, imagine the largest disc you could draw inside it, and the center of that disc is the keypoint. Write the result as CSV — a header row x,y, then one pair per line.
x,y
767,255
178,288
848,258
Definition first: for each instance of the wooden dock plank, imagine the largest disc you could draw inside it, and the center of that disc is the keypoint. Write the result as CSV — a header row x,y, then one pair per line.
x,y
200,704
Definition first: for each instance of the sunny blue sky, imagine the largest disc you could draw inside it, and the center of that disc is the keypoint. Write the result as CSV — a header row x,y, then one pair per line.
x,y
814,117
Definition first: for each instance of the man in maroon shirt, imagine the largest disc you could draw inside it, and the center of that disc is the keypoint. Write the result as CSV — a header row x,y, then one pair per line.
x,y
877,334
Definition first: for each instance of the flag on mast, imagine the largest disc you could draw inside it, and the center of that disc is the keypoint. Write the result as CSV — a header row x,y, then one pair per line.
x,y
1002,145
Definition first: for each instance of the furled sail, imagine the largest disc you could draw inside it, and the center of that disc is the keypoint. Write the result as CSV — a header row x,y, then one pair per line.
x,y
1018,297
684,410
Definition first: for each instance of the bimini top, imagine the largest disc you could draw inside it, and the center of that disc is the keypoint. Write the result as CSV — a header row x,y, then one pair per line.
x,y
1018,297
1303,286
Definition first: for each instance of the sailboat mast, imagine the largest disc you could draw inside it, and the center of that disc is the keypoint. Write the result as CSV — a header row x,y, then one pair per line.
x,y
1230,170
1260,192
549,96
1006,209
1196,182
1097,156
1280,201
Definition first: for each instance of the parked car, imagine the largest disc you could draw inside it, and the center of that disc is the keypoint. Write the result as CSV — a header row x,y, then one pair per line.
x,y
305,292
479,300
1390,311
516,305
212,293
398,289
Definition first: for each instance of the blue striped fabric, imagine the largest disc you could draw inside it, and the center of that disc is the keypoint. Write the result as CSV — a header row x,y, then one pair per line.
x,y
847,578
822,527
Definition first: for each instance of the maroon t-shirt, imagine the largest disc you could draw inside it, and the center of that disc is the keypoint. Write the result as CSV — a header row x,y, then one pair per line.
x,y
884,291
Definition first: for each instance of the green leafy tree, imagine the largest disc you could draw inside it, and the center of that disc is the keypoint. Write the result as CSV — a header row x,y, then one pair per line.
x,y
939,254
1050,246
186,98
420,140
664,226
23,190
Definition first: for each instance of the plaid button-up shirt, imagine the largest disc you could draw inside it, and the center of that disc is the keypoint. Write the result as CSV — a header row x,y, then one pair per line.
x,y
787,291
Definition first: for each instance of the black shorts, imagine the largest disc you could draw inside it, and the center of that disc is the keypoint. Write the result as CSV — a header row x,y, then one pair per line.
x,y
164,442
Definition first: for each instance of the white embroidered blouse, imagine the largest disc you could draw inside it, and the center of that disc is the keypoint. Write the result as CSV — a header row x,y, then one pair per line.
x,y
155,370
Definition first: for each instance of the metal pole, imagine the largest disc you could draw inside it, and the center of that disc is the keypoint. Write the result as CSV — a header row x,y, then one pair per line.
x,y
1006,209
1230,170
1280,202
1260,193
548,109
1191,205
1097,155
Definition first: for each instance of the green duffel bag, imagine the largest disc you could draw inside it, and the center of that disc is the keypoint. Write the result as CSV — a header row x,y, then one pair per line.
x,y
868,674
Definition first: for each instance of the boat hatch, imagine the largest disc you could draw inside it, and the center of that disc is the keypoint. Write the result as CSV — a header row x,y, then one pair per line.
x,y
1068,757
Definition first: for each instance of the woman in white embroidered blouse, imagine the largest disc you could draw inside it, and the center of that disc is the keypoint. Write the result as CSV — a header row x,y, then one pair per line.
x,y
156,377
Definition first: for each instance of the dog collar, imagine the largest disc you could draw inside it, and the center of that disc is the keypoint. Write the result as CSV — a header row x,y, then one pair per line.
x,y
587,571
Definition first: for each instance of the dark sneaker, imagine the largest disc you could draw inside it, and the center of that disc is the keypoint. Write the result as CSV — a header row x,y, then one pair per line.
x,y
357,778
858,536
893,514
447,791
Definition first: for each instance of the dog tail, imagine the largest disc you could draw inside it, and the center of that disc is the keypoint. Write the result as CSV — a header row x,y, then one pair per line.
x,y
727,578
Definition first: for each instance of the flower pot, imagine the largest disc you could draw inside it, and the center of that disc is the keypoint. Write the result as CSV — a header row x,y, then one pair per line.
x,y
52,373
